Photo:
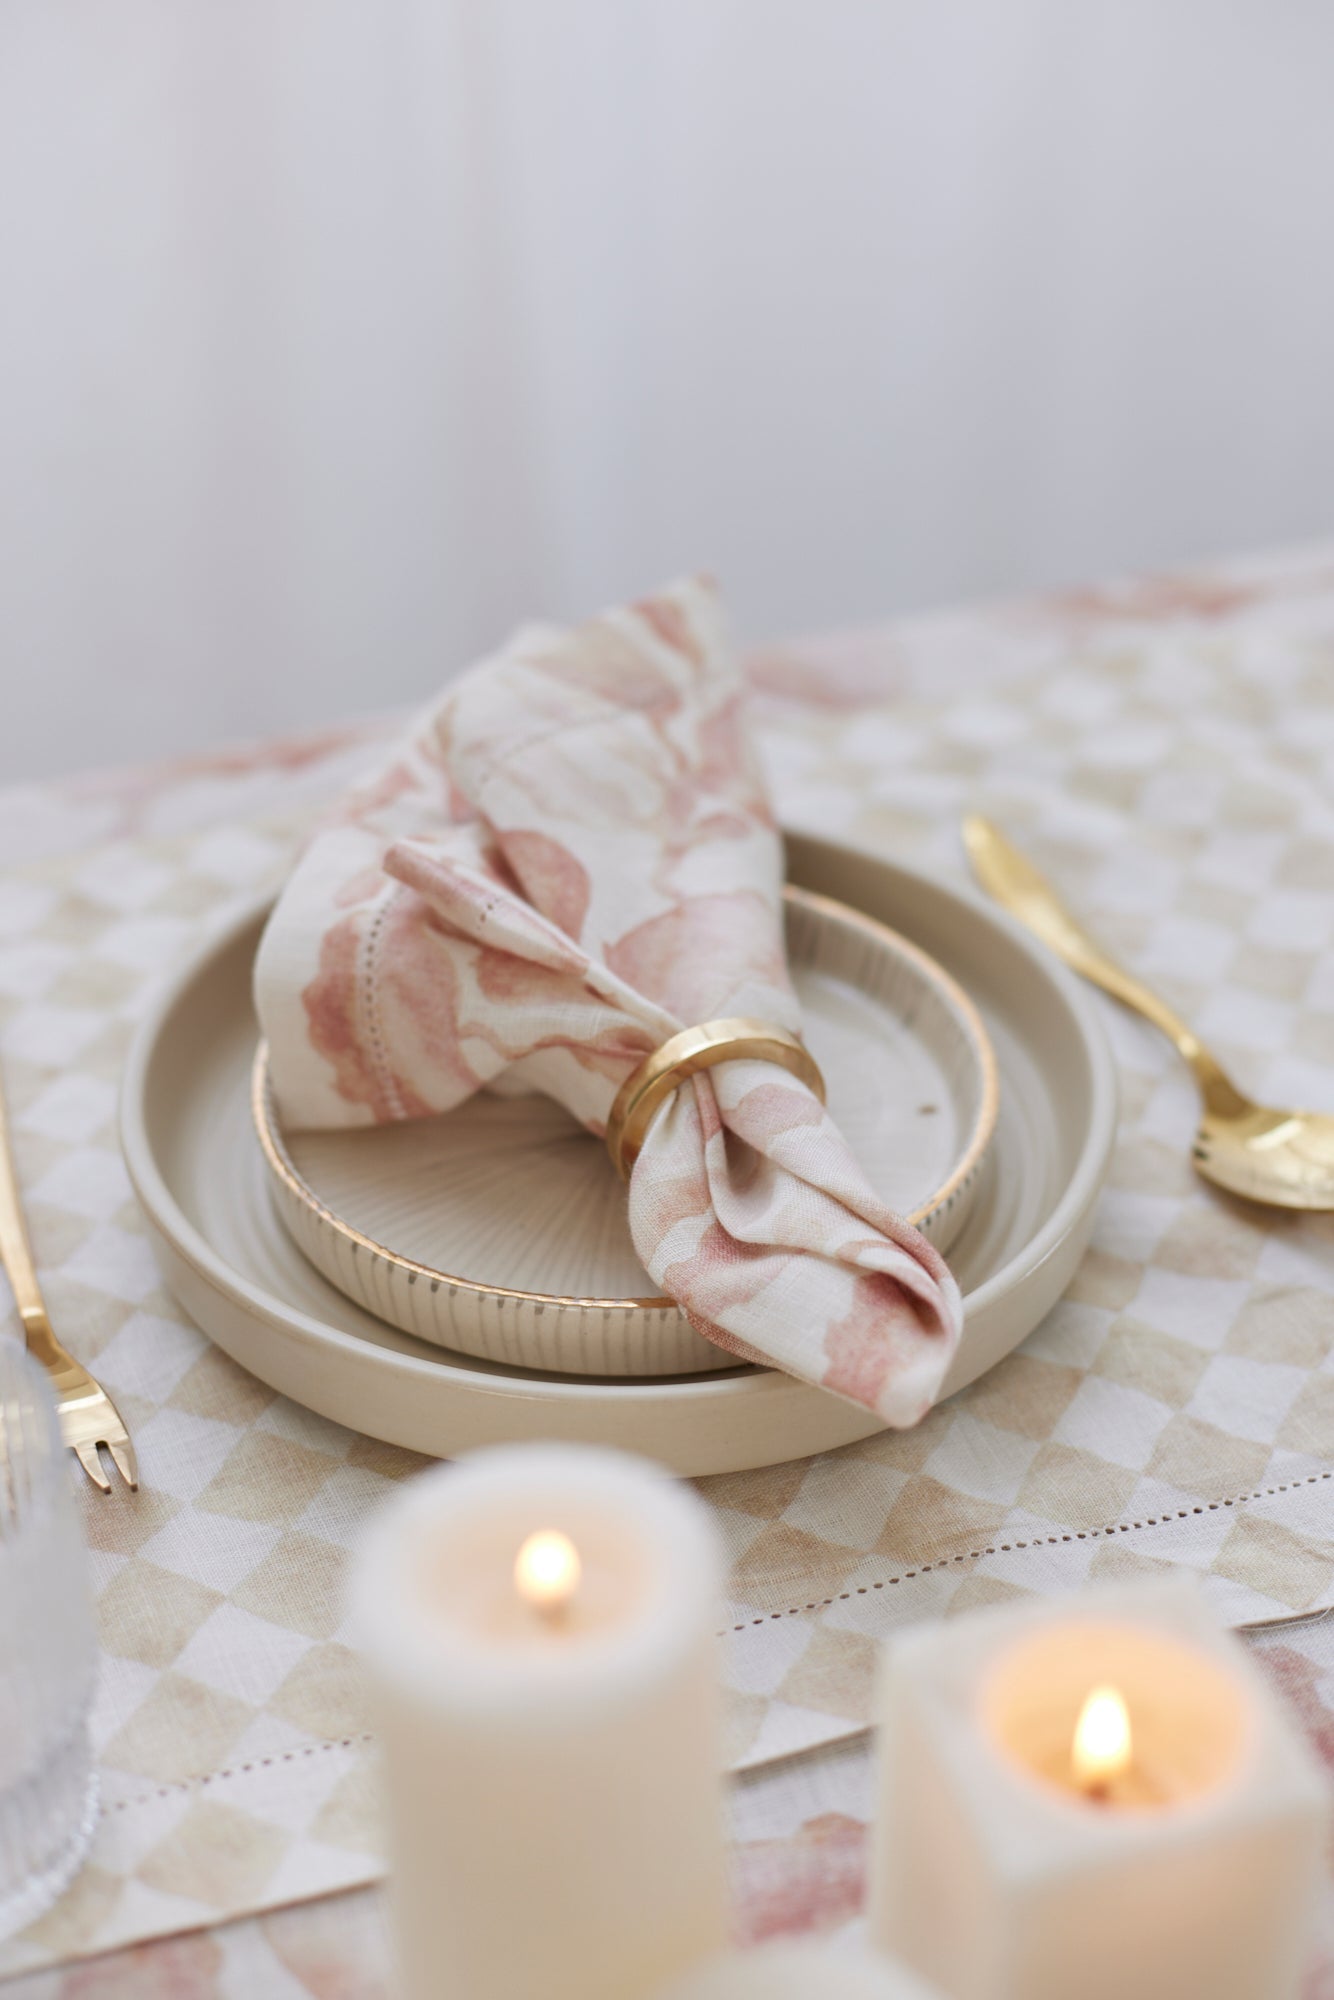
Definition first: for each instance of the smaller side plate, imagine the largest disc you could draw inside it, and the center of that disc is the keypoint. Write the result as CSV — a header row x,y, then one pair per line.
x,y
500,1229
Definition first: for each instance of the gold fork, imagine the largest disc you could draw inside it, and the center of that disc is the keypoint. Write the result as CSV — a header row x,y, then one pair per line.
x,y
88,1417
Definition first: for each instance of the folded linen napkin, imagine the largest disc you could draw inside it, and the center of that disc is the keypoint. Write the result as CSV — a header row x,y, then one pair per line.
x,y
571,858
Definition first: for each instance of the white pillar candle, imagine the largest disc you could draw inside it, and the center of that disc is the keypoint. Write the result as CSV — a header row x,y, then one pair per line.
x,y
799,1972
539,1625
1098,1797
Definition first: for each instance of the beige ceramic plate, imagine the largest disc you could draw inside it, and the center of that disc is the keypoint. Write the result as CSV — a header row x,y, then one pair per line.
x,y
500,1230
201,1180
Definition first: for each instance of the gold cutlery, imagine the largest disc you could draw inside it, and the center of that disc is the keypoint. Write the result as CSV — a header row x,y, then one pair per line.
x,y
1284,1158
88,1417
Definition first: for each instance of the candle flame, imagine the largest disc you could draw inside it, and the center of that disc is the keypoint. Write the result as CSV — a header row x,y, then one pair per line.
x,y
547,1570
1101,1749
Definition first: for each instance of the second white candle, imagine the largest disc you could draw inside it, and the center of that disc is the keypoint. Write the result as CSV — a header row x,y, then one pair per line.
x,y
539,1623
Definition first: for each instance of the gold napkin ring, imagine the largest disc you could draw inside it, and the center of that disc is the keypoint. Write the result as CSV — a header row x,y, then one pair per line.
x,y
692,1050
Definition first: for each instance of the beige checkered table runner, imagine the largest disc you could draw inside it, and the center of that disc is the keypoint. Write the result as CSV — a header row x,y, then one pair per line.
x,y
1166,751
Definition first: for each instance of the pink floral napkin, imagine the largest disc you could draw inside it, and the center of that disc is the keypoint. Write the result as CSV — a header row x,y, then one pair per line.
x,y
571,858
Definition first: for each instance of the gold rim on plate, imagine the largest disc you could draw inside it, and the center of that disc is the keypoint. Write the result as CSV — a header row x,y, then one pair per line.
x,y
283,1169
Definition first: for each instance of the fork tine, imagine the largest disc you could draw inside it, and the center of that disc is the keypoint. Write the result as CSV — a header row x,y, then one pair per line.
x,y
88,1417
86,1453
122,1456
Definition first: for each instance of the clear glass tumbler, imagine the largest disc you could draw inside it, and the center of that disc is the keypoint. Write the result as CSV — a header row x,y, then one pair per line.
x,y
48,1653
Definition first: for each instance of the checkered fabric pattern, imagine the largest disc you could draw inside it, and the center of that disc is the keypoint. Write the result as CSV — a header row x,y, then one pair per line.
x,y
1165,751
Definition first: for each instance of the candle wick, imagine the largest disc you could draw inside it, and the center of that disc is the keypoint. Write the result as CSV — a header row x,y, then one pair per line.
x,y
1099,1793
546,1573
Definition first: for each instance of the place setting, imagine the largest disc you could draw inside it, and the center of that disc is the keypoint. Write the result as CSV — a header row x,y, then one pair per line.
x,y
568,1114
971,1079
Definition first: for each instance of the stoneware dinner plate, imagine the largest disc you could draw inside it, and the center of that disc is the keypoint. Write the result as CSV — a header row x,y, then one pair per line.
x,y
500,1230
201,1179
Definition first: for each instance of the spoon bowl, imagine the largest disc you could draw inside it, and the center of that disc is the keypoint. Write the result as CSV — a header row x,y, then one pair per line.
x,y
1283,1158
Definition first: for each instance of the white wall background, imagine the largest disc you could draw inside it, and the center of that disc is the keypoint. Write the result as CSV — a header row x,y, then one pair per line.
x,y
335,335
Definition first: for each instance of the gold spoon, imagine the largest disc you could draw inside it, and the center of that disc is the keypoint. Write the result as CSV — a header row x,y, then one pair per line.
x,y
1284,1158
